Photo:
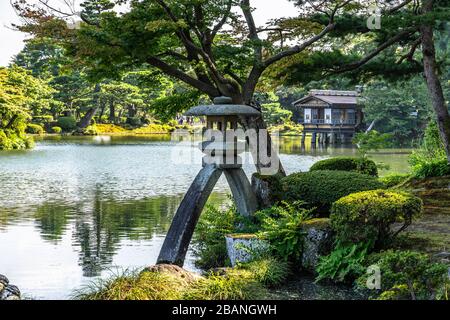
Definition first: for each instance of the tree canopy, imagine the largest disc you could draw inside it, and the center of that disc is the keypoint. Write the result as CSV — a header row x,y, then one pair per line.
x,y
21,94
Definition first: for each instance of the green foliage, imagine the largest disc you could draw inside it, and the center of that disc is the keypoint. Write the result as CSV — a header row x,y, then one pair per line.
x,y
394,179
34,129
269,271
166,108
368,216
90,130
282,227
401,108
319,189
233,285
360,165
67,124
20,95
430,159
135,121
134,286
56,130
372,141
409,275
274,114
42,119
209,238
432,168
344,264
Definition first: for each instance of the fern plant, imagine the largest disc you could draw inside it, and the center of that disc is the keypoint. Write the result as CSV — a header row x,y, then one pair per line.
x,y
345,263
282,227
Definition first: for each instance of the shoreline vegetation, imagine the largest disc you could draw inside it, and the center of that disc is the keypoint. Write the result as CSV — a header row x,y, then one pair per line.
x,y
290,129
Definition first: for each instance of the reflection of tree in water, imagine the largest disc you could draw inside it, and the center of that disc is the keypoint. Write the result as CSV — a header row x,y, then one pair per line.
x,y
52,219
99,226
98,232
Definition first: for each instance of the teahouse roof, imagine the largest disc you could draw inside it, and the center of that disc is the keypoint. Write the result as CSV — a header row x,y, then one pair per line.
x,y
334,98
223,107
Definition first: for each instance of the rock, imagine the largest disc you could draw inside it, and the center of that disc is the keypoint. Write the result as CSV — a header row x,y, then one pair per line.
x,y
8,291
318,242
267,189
444,257
176,271
243,247
3,283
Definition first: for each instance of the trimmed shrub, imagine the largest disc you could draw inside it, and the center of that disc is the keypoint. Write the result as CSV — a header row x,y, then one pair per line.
x,y
56,130
34,129
67,123
360,165
368,216
394,179
408,275
320,189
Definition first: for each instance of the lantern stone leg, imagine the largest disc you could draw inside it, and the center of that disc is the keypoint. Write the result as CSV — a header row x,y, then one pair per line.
x,y
183,225
243,195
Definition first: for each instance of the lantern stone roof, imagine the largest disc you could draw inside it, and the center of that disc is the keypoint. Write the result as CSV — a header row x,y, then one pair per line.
x,y
334,98
223,107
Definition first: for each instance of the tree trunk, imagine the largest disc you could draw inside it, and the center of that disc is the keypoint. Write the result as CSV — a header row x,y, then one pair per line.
x,y
86,120
131,111
102,112
112,111
433,81
259,124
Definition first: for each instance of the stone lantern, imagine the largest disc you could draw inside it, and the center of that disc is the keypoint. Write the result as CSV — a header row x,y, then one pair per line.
x,y
222,149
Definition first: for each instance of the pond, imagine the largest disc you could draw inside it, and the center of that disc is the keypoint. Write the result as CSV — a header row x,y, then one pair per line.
x,y
74,209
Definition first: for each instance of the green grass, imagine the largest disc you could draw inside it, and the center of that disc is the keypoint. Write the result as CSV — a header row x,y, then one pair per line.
x,y
234,284
132,285
268,271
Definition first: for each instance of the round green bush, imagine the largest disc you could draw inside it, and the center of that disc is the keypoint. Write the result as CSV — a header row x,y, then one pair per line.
x,y
360,165
67,123
34,129
369,216
136,121
56,129
320,189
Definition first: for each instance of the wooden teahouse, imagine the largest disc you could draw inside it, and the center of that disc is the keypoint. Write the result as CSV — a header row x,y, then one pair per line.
x,y
329,115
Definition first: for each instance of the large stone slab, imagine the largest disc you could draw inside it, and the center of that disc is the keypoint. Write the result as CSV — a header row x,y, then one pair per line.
x,y
243,248
318,242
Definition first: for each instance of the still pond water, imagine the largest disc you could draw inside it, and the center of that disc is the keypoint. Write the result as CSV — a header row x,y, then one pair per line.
x,y
75,209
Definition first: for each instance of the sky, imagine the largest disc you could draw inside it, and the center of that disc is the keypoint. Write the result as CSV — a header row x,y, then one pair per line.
x,y
11,41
